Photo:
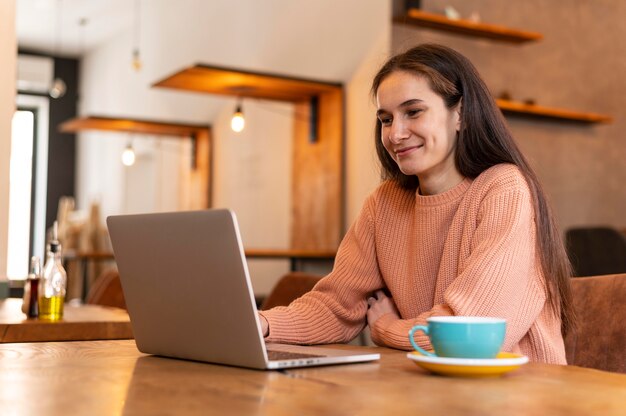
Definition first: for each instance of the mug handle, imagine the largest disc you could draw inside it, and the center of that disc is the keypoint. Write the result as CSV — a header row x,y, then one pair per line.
x,y
418,349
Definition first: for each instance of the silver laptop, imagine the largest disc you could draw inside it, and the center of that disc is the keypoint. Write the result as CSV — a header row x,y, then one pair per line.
x,y
188,292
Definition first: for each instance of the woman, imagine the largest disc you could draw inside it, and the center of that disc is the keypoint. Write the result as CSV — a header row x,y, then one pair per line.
x,y
460,226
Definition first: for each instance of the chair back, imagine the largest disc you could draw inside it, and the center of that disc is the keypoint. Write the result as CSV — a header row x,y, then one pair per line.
x,y
106,290
289,288
596,251
600,339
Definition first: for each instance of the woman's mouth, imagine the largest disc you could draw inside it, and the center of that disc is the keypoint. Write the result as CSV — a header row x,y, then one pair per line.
x,y
407,150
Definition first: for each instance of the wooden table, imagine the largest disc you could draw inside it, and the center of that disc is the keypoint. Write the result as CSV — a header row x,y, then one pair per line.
x,y
112,377
79,323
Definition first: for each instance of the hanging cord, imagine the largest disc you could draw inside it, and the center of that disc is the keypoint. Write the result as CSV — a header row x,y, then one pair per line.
x,y
58,88
57,35
82,22
136,36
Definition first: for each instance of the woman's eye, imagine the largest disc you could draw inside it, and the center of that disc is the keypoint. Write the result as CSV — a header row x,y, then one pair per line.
x,y
385,121
413,113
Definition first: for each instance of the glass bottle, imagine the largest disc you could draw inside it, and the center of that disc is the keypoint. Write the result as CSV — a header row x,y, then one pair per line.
x,y
30,305
53,284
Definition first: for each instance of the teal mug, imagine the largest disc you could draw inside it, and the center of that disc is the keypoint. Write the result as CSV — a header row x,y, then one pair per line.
x,y
462,336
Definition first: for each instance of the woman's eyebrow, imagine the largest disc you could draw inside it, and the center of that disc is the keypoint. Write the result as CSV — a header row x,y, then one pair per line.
x,y
411,102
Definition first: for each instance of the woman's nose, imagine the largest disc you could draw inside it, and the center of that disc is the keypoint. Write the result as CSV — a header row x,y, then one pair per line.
x,y
398,132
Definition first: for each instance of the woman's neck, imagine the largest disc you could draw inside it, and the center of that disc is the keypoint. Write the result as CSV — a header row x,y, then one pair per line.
x,y
439,183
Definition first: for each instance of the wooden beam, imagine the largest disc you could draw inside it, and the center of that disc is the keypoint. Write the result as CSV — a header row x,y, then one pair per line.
x,y
235,82
129,125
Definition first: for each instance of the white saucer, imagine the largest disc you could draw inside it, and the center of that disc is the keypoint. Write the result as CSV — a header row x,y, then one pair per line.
x,y
512,359
470,367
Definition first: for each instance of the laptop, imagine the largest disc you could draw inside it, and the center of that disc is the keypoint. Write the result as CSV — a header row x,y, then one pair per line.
x,y
188,293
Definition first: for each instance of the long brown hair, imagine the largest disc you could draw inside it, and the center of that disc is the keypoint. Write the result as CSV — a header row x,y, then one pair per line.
x,y
484,140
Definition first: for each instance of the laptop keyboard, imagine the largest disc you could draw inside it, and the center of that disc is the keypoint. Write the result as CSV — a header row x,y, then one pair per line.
x,y
284,355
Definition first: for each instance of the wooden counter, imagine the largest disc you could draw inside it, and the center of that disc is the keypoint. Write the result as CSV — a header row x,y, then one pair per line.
x,y
112,377
79,323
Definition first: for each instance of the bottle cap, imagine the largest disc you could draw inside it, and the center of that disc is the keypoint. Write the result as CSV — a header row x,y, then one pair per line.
x,y
55,246
35,268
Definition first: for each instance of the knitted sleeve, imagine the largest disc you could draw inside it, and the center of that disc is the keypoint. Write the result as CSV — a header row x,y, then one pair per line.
x,y
499,279
335,310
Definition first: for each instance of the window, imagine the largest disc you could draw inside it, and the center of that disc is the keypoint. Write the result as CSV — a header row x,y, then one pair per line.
x,y
20,193
27,189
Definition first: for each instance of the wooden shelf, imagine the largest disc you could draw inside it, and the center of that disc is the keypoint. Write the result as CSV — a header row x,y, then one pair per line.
x,y
229,81
466,27
424,19
131,126
251,253
514,107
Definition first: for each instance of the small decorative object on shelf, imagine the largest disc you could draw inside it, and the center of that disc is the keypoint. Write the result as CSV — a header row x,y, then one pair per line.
x,y
474,17
505,95
451,13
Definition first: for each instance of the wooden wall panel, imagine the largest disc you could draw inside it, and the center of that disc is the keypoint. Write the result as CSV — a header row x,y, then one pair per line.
x,y
202,175
318,176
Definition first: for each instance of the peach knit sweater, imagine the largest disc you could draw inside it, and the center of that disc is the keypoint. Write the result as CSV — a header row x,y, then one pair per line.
x,y
467,251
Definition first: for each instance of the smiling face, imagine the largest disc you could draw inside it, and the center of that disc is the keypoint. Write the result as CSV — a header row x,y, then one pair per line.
x,y
418,130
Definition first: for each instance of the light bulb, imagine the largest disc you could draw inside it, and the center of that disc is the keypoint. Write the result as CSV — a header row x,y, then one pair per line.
x,y
58,88
136,60
237,123
128,155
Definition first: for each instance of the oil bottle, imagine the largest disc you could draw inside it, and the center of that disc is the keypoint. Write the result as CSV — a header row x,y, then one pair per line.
x,y
53,284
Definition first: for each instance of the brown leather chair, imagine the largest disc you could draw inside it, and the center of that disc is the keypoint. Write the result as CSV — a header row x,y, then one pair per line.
x,y
600,339
289,288
596,251
107,290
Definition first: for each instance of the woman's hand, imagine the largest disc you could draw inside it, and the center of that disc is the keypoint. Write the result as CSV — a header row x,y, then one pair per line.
x,y
379,305
265,326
